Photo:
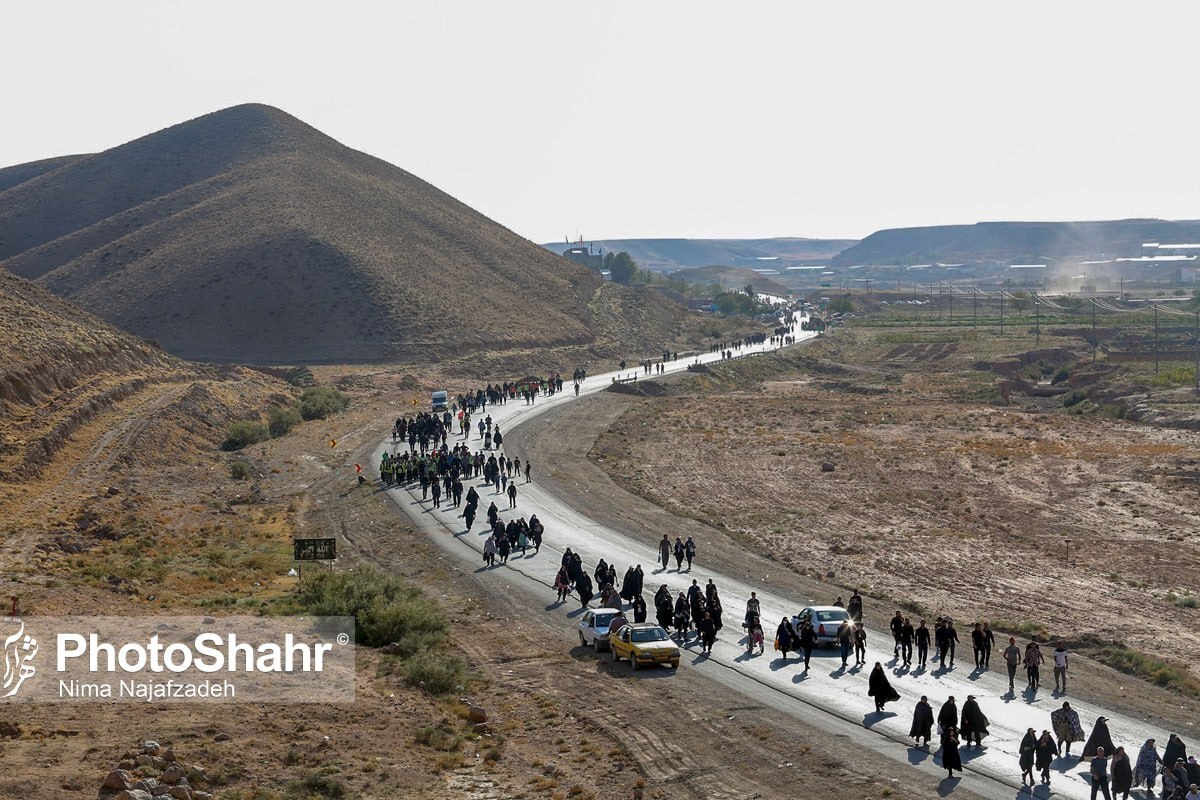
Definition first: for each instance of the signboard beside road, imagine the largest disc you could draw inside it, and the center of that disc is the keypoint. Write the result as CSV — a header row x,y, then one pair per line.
x,y
315,550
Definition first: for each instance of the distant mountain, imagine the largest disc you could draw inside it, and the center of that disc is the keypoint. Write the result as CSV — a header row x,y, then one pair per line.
x,y
248,236
1008,241
669,255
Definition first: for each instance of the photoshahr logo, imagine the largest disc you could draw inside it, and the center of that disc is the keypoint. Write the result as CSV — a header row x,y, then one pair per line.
x,y
18,653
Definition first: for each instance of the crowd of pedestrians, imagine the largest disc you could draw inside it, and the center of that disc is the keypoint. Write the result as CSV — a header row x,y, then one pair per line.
x,y
695,616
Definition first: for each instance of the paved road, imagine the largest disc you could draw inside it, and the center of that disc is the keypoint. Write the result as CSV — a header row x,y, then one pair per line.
x,y
828,697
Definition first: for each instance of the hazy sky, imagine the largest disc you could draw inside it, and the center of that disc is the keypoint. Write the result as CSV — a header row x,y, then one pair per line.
x,y
635,119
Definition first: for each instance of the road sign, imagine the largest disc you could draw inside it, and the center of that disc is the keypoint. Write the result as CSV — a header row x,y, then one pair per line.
x,y
315,549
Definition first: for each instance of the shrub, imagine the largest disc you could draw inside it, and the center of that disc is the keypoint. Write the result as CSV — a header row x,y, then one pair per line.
x,y
239,470
439,737
1159,672
281,419
436,673
315,785
841,304
412,623
1076,396
301,376
320,402
384,609
245,433
1175,377
1060,376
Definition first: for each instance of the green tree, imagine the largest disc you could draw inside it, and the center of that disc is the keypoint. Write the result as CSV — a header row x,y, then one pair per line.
x,y
736,303
623,268
1021,301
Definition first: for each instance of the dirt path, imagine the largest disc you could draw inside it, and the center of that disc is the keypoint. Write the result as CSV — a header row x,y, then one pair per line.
x,y
87,464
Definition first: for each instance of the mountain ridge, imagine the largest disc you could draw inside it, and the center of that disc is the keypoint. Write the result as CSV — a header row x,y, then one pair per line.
x,y
672,254
1008,240
249,236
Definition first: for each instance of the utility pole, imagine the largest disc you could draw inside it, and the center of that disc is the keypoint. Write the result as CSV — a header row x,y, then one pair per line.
x,y
1155,338
1001,310
1037,325
974,307
1197,337
931,299
1093,330
950,289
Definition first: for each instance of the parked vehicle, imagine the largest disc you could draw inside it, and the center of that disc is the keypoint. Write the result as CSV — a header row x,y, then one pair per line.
x,y
644,643
441,401
593,627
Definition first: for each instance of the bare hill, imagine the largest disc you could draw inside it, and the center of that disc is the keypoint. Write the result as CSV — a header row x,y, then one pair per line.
x,y
63,370
19,173
1007,241
246,235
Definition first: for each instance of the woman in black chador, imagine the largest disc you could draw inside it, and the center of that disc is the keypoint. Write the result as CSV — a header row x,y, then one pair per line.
x,y
947,715
974,725
951,760
922,724
1099,738
1027,749
639,608
880,688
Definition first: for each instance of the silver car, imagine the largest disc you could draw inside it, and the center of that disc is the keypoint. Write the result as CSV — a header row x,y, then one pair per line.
x,y
593,627
825,621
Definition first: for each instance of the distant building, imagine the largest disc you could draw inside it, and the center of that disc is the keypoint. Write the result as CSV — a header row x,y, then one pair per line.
x,y
583,255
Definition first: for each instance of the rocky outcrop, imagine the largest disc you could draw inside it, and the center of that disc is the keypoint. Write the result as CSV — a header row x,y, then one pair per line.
x,y
153,773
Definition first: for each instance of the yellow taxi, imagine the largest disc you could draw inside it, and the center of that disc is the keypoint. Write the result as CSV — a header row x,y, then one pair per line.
x,y
642,644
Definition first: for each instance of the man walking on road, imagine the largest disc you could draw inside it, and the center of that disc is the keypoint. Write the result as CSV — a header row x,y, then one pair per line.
x,y
1012,658
897,624
1060,672
977,644
906,642
708,633
922,635
664,552
951,641
845,640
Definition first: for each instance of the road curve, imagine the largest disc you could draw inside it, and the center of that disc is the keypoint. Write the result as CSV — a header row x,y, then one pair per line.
x,y
828,697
